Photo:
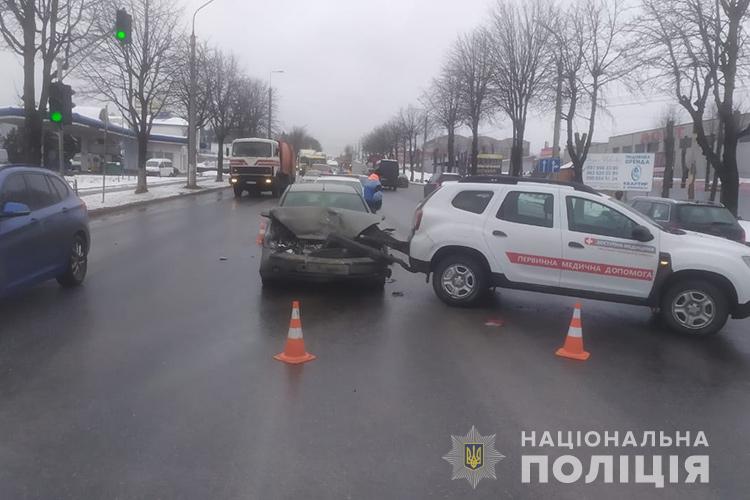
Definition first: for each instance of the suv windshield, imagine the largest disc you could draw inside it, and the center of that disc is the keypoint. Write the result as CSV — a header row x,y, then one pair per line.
x,y
252,149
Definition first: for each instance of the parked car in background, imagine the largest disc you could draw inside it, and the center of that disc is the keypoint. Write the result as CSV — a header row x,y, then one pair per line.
x,y
700,216
437,180
44,229
160,167
388,170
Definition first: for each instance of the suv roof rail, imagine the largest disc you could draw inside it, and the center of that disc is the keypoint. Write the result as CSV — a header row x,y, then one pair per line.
x,y
506,179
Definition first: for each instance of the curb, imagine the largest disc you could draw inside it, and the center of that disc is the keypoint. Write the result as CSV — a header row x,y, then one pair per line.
x,y
95,212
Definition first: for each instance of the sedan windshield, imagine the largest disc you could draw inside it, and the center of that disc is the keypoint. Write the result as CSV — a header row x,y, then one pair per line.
x,y
346,201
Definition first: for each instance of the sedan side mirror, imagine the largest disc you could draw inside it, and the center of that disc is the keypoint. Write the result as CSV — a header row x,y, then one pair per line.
x,y
642,234
13,209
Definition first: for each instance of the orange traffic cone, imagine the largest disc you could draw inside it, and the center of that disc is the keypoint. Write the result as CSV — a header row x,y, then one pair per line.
x,y
573,347
294,350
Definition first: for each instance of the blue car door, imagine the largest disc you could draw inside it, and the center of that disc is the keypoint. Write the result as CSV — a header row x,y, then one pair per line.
x,y
46,209
20,238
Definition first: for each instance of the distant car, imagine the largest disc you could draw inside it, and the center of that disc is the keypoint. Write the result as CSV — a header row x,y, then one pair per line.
x,y
388,170
310,175
311,237
700,216
44,229
437,180
347,180
160,167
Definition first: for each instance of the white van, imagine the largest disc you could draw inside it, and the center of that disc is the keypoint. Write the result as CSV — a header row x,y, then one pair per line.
x,y
161,167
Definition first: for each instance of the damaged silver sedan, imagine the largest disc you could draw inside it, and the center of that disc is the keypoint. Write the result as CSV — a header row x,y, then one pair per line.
x,y
325,244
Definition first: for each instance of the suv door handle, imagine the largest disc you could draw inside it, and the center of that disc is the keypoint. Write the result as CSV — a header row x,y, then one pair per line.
x,y
574,244
499,233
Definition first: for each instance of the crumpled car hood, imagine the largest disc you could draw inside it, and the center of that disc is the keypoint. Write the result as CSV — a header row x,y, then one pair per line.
x,y
317,223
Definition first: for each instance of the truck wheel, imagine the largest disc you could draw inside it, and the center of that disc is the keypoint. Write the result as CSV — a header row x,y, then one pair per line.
x,y
460,280
237,191
695,307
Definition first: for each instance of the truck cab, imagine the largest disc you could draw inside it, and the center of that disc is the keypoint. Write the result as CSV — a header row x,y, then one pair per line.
x,y
257,165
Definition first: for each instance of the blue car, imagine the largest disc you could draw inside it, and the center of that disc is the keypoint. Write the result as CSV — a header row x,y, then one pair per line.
x,y
44,229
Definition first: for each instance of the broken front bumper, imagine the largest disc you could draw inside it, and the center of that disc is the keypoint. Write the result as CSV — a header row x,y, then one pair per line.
x,y
289,266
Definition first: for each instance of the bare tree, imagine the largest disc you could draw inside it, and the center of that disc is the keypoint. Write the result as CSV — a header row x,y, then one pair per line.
x,y
223,108
471,63
590,44
139,78
252,106
203,82
695,48
667,122
443,102
410,122
519,55
51,30
299,138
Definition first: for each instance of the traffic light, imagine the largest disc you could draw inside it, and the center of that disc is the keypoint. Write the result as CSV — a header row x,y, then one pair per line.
x,y
123,26
60,103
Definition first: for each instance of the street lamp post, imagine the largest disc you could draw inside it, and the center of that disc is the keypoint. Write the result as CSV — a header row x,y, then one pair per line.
x,y
191,183
270,99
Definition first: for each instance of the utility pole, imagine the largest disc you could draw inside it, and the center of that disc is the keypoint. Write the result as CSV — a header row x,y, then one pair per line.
x,y
191,182
61,131
558,113
270,108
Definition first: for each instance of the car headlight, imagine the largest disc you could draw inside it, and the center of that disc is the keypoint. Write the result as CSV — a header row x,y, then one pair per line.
x,y
746,258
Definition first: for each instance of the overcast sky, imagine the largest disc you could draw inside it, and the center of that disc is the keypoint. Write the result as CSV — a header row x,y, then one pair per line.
x,y
350,65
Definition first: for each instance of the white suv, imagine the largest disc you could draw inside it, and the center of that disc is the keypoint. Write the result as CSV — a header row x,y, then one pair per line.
x,y
568,239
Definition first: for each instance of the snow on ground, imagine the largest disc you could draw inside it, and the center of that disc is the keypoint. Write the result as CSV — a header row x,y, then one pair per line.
x,y
94,181
155,192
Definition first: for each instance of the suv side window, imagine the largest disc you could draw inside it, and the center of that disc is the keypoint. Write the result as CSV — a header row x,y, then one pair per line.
x,y
586,216
14,189
660,212
40,193
472,201
61,187
534,209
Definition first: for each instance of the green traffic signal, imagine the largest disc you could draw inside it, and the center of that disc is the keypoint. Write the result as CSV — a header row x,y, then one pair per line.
x,y
121,35
55,116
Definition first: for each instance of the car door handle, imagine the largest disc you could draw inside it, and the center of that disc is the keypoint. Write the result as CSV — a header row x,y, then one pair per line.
x,y
575,244
64,209
499,233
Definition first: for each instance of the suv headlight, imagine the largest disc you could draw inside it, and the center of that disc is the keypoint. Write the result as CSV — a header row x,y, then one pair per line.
x,y
746,258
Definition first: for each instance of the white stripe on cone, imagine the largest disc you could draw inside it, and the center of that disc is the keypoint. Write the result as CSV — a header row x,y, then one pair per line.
x,y
295,313
295,333
574,332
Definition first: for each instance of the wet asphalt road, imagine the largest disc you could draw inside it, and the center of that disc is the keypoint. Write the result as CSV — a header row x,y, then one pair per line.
x,y
156,378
